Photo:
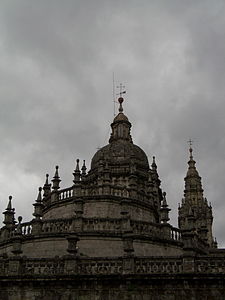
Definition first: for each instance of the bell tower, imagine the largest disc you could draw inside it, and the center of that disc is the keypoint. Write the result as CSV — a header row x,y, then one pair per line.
x,y
196,203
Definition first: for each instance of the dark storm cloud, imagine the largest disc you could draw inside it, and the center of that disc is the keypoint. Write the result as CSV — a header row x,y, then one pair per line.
x,y
56,65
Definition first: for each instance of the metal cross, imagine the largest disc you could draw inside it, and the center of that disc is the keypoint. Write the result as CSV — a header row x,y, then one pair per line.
x,y
190,142
122,91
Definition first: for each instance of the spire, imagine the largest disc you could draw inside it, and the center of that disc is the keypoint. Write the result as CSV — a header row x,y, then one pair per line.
x,y
76,172
56,179
194,205
193,186
46,187
192,168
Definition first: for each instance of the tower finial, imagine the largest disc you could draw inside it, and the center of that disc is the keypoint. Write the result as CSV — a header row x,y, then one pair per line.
x,y
190,142
121,92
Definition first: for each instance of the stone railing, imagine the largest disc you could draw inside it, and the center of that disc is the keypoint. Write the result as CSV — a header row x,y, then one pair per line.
x,y
65,193
175,234
154,230
117,191
145,228
26,228
102,224
101,266
71,265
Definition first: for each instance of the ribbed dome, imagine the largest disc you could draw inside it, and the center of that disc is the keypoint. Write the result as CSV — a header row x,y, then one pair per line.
x,y
120,152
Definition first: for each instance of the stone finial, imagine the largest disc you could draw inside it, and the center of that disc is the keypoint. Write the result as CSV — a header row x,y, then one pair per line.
x,y
56,179
9,214
39,197
9,206
38,205
164,203
46,187
83,169
76,172
164,210
154,166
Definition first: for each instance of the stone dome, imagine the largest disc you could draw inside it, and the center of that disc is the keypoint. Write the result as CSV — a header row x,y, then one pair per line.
x,y
120,152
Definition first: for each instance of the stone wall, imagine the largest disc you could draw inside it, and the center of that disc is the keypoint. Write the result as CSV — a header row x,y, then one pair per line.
x,y
115,288
99,209
125,278
147,248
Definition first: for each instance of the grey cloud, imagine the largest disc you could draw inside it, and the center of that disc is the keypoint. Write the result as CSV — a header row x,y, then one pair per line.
x,y
56,65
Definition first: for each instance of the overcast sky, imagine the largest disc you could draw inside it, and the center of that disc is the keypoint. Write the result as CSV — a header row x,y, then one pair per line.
x,y
56,64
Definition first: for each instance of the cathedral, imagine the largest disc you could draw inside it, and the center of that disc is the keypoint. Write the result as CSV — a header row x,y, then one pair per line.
x,y
108,236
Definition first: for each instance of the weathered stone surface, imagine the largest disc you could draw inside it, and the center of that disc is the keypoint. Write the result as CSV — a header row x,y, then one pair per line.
x,y
108,236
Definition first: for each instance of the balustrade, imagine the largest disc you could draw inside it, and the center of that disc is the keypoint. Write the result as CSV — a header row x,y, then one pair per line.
x,y
26,228
66,193
175,234
145,228
98,224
